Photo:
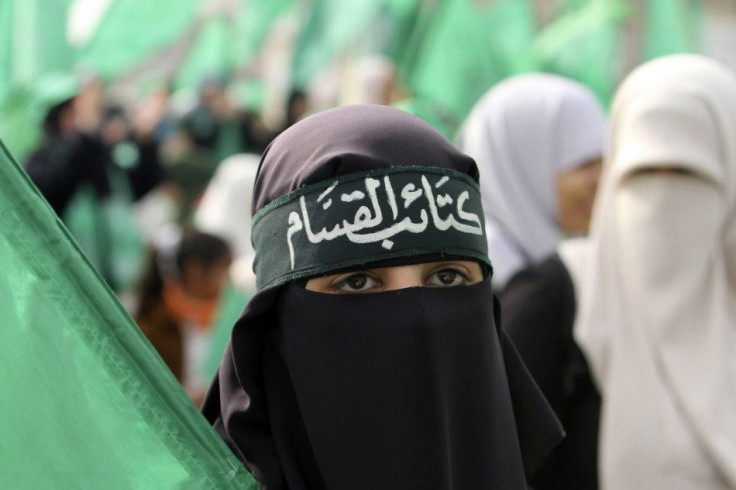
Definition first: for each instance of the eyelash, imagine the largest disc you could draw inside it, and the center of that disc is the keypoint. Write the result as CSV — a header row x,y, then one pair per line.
x,y
463,275
340,285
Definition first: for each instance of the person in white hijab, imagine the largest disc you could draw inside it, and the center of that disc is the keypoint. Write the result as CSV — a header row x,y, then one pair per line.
x,y
538,140
657,317
221,212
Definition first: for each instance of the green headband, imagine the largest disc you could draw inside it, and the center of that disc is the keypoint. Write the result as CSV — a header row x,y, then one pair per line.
x,y
368,217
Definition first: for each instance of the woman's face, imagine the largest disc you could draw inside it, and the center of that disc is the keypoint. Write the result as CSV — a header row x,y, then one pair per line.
x,y
445,274
576,190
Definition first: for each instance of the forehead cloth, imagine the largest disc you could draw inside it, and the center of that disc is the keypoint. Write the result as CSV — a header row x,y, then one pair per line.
x,y
364,218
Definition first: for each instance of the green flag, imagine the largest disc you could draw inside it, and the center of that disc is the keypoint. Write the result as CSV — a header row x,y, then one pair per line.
x,y
32,43
86,402
468,46
132,30
334,31
672,26
581,43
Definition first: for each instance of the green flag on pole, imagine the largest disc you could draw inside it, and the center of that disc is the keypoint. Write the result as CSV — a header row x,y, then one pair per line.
x,y
86,402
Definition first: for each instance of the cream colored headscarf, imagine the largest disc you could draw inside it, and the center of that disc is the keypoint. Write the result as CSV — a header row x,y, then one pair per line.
x,y
657,316
522,134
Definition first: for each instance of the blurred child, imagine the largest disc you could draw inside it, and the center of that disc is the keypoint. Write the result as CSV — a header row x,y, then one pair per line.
x,y
178,300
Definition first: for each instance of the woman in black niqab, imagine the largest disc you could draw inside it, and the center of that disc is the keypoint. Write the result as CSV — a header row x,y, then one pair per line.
x,y
414,388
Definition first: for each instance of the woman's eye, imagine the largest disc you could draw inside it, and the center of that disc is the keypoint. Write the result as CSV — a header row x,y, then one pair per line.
x,y
356,283
447,278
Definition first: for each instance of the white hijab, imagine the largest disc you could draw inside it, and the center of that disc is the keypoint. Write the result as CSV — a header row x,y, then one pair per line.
x,y
657,316
523,133
225,211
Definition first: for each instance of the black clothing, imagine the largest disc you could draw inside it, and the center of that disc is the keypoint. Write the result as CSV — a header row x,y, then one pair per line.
x,y
418,374
538,313
404,389
148,171
62,165
350,140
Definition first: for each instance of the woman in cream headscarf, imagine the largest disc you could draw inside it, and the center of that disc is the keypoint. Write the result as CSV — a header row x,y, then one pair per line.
x,y
527,134
658,308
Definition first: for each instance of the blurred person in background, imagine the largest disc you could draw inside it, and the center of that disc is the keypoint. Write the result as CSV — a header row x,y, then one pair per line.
x,y
188,166
370,79
178,299
69,152
221,212
297,107
91,165
370,356
657,308
131,148
538,140
213,129
222,126
191,151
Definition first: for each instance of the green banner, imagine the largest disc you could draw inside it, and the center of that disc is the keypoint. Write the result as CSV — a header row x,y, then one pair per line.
x,y
87,403
368,217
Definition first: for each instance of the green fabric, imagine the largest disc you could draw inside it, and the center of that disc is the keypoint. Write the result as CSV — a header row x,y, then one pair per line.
x,y
449,51
32,54
399,20
211,54
368,217
462,48
672,27
219,44
581,42
32,44
18,123
337,31
107,232
254,21
86,402
232,304
6,48
134,29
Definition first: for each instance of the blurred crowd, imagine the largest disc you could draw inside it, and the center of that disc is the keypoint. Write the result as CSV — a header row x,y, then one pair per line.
x,y
157,193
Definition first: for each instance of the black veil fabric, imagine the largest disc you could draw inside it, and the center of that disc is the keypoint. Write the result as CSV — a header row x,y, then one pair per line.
x,y
416,388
